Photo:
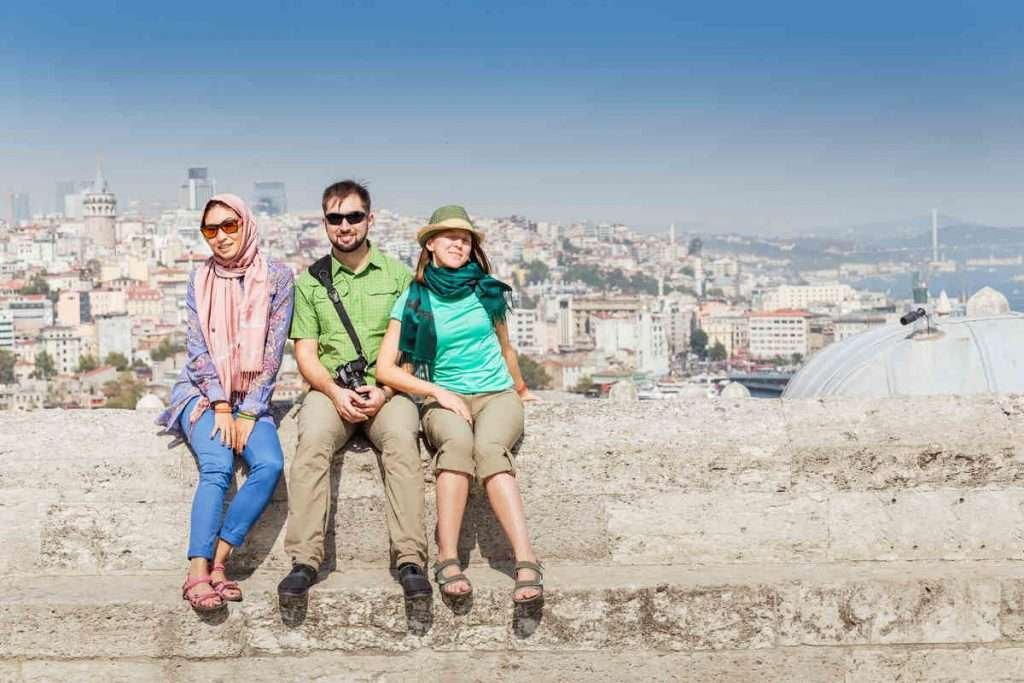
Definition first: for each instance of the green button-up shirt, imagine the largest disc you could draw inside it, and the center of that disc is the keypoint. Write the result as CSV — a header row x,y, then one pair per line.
x,y
368,297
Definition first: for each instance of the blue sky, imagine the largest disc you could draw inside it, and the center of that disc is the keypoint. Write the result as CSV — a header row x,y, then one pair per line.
x,y
753,116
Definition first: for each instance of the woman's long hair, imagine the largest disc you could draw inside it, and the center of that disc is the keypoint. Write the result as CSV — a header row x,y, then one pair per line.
x,y
476,253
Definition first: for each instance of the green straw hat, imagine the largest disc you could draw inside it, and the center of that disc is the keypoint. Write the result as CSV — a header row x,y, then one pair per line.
x,y
448,218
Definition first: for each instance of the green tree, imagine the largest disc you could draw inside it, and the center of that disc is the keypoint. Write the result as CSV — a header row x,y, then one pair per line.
x,y
534,374
699,342
87,363
797,358
124,392
165,349
585,384
118,360
7,361
37,284
717,352
537,271
45,366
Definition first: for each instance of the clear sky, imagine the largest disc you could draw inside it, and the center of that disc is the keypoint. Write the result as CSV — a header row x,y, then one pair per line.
x,y
758,115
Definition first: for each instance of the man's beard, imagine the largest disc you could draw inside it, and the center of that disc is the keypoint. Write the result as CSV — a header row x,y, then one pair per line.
x,y
354,247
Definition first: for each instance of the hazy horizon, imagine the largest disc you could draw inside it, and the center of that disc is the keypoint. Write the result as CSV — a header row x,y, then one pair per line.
x,y
749,118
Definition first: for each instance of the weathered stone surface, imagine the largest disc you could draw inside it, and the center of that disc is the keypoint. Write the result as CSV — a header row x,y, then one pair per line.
x,y
702,527
923,610
959,665
948,524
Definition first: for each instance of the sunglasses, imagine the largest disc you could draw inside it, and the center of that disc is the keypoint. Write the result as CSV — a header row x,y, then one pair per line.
x,y
230,227
353,218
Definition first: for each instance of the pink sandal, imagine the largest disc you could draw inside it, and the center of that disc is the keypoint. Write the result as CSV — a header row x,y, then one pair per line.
x,y
222,586
198,602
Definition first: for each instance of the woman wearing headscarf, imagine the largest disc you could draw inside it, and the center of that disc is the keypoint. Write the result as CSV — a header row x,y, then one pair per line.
x,y
239,309
450,326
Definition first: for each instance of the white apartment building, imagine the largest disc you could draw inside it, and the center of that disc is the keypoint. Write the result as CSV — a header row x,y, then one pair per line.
x,y
652,344
6,330
525,330
63,346
731,331
803,296
778,333
108,302
31,312
113,335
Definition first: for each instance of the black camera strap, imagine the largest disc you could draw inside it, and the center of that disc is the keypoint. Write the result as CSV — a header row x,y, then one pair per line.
x,y
321,270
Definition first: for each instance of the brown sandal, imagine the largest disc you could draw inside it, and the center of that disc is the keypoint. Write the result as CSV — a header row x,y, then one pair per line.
x,y
443,580
529,583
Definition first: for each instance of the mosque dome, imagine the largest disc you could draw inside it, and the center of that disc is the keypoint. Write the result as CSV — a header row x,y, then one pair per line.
x,y
149,402
972,355
987,301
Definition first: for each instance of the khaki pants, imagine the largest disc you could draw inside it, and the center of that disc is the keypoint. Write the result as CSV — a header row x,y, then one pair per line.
x,y
483,448
393,431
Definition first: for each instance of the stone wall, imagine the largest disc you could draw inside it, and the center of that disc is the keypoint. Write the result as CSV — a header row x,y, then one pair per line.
x,y
731,540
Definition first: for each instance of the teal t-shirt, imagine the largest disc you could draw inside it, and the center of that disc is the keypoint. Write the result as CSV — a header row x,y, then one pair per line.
x,y
469,359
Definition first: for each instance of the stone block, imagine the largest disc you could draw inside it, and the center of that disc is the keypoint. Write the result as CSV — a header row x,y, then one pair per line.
x,y
890,611
952,665
946,524
712,528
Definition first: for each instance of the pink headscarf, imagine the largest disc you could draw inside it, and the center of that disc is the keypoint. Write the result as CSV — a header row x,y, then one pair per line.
x,y
233,318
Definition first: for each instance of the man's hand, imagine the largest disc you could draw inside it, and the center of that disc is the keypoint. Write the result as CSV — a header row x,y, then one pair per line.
x,y
372,399
349,405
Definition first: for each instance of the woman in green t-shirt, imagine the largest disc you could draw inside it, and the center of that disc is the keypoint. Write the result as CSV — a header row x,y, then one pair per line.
x,y
450,326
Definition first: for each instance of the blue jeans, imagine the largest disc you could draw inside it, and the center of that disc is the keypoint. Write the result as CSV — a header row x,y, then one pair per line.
x,y
263,455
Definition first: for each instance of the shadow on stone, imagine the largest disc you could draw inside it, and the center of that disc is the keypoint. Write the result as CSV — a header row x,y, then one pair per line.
x,y
526,618
419,615
293,610
214,618
460,605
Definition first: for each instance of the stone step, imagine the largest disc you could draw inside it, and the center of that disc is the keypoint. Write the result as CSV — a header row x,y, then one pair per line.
x,y
588,608
747,482
804,664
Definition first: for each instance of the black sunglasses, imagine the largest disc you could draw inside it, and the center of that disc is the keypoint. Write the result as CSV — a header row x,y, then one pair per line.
x,y
353,218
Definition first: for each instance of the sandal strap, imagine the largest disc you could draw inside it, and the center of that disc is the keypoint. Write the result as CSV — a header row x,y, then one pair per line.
x,y
531,583
218,567
443,580
193,582
535,566
440,566
226,585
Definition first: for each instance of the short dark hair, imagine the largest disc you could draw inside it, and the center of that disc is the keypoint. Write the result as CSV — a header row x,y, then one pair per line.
x,y
343,189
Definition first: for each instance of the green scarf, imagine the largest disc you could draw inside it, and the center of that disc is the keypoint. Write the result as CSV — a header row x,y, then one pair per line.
x,y
418,341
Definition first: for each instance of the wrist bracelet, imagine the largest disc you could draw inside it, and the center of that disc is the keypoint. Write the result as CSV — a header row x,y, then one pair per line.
x,y
247,416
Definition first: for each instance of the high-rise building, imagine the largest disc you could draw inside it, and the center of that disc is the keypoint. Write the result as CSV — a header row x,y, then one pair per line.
x,y
64,188
270,198
99,208
21,212
197,189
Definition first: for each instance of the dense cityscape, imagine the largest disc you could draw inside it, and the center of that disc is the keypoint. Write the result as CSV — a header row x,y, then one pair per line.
x,y
92,297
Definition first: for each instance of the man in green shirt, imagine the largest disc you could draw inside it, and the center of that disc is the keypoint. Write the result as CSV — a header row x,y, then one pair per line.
x,y
368,283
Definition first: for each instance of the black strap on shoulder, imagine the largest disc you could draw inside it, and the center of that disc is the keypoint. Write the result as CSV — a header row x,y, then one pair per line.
x,y
321,270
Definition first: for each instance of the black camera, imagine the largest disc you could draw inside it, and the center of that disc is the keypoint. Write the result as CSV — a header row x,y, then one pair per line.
x,y
352,374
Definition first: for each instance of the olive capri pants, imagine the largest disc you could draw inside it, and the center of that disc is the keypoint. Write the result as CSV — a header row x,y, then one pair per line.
x,y
482,449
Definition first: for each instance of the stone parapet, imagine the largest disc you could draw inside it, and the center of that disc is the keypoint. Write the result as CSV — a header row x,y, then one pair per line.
x,y
727,540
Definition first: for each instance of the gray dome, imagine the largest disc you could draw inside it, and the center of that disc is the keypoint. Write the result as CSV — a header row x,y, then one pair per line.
x,y
967,356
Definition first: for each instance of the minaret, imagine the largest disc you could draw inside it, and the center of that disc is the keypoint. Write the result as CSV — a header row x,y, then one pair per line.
x,y
935,235
672,234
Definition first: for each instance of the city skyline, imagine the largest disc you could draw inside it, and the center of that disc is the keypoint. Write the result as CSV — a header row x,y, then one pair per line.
x,y
769,119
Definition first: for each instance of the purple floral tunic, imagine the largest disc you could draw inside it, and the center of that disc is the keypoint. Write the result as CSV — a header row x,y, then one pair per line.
x,y
199,375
